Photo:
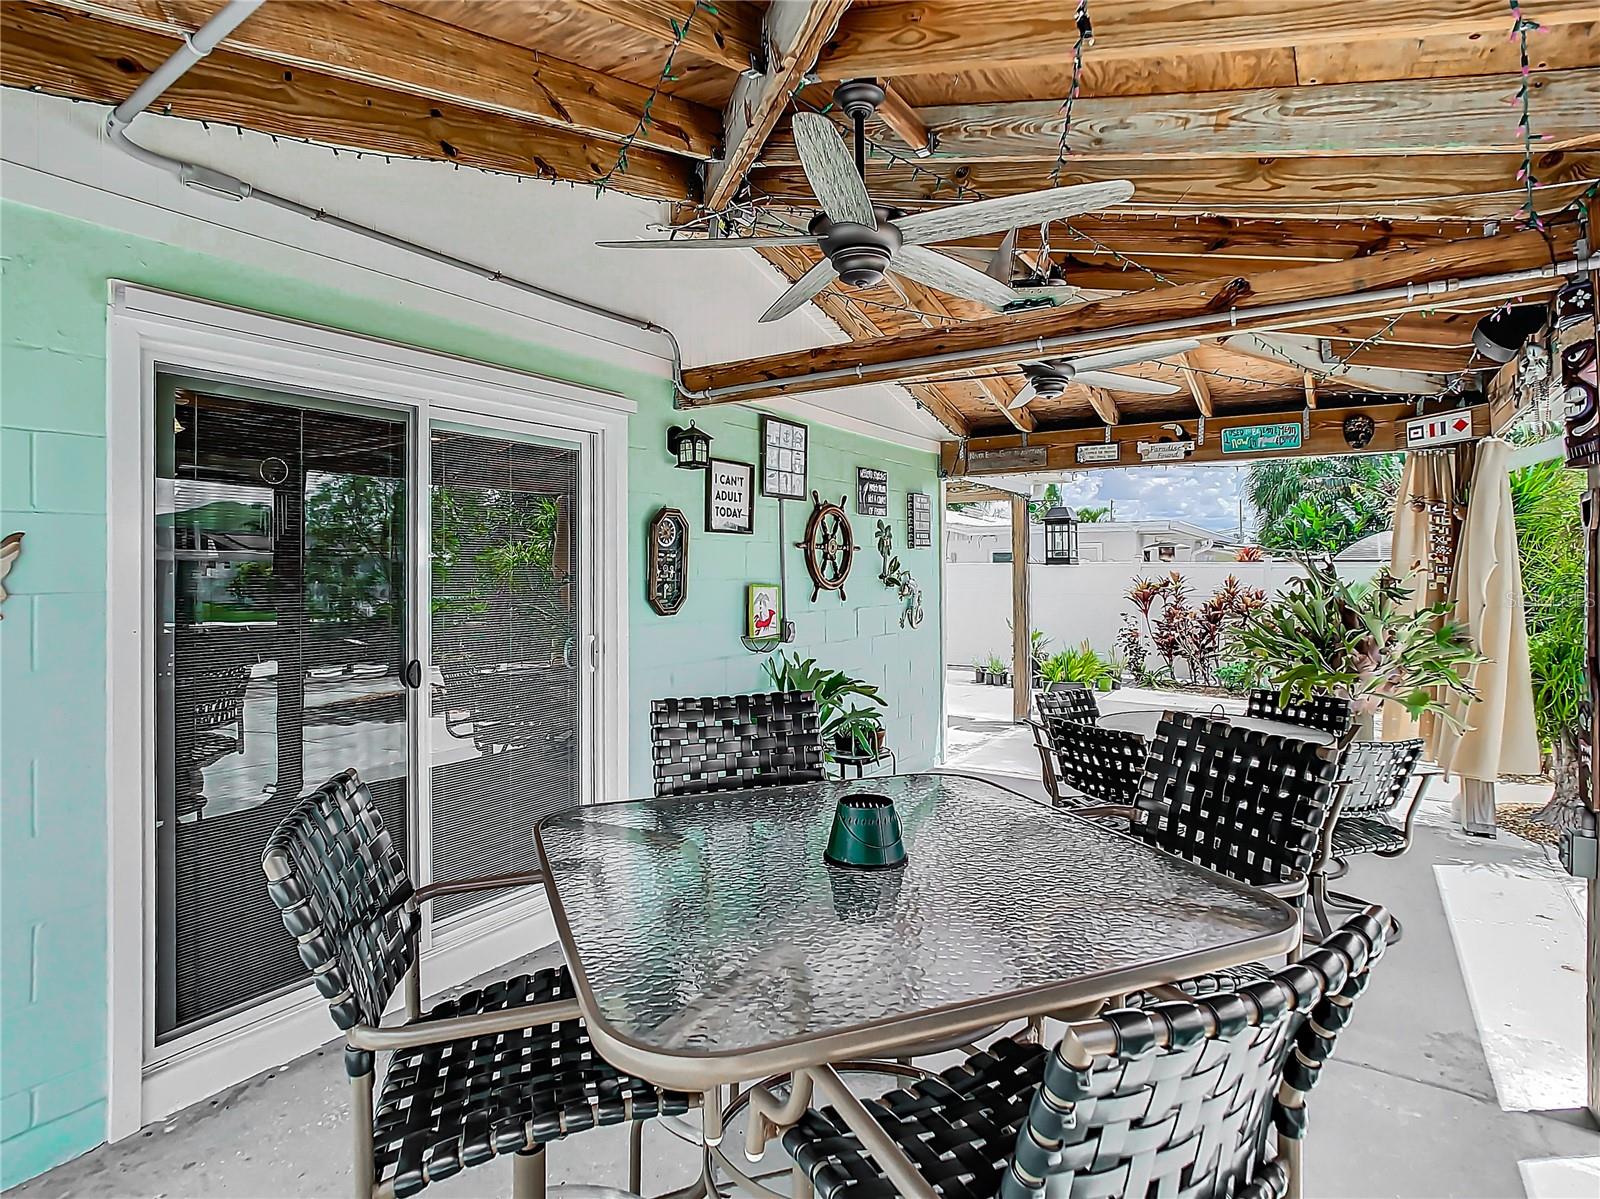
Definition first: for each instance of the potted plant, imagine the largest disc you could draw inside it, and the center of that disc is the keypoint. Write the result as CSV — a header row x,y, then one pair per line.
x,y
831,688
999,676
857,733
980,671
1323,634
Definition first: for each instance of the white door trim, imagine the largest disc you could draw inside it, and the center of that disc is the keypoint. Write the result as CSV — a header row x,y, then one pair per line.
x,y
148,329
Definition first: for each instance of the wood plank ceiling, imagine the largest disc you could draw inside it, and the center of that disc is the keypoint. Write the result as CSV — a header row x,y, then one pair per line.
x,y
1259,135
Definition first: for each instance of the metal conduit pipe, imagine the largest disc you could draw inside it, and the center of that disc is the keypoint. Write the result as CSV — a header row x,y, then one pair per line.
x,y
229,187
1037,347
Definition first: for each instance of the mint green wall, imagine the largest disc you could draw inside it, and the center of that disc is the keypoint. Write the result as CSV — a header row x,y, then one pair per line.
x,y
53,302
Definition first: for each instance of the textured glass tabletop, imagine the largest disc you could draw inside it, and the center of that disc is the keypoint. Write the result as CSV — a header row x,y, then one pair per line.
x,y
709,926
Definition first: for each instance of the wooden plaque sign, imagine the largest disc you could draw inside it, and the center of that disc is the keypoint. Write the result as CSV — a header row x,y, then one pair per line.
x,y
667,551
919,521
872,491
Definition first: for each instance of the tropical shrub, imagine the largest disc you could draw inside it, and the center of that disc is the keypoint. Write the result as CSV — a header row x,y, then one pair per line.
x,y
1322,505
1198,636
1545,498
1359,641
831,689
1131,649
1079,664
1238,675
1249,553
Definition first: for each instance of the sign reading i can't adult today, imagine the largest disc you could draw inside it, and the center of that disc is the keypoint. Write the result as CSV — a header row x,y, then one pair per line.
x,y
919,520
730,499
1261,439
872,491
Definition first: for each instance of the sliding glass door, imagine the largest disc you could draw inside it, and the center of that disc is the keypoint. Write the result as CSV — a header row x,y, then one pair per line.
x,y
505,615
295,639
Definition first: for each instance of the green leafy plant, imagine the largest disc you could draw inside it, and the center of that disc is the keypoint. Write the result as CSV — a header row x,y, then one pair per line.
x,y
858,726
1323,504
1359,641
1237,676
1077,664
1545,498
996,665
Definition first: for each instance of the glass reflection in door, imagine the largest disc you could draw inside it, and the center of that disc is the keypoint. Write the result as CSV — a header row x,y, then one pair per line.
x,y
280,593
505,675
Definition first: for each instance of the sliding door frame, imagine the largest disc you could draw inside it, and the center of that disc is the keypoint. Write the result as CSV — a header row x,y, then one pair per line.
x,y
150,331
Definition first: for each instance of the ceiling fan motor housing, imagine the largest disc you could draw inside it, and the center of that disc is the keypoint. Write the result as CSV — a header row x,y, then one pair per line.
x,y
858,97
860,254
1049,379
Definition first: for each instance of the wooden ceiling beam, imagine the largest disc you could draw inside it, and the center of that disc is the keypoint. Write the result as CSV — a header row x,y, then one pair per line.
x,y
905,122
1218,307
934,36
375,44
792,35
1326,436
1198,387
1104,406
1411,116
65,53
727,33
1468,185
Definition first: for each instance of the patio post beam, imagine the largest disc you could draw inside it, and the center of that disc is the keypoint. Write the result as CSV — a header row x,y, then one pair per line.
x,y
1021,618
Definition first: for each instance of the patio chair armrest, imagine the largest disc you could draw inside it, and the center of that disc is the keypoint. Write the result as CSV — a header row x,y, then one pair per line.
x,y
1095,811
1291,888
465,886
460,1028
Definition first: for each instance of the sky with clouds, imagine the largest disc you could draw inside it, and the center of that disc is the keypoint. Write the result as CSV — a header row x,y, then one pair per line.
x,y
1206,495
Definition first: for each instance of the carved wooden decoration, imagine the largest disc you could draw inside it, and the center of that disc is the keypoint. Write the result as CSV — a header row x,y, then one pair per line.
x,y
829,545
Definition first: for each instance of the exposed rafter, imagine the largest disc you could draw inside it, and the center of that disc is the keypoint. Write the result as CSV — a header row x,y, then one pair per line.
x,y
726,34
962,35
1104,406
66,53
375,44
1218,307
1198,387
792,34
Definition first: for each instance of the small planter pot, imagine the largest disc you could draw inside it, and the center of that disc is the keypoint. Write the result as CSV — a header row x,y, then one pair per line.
x,y
980,675
1105,684
1003,679
845,746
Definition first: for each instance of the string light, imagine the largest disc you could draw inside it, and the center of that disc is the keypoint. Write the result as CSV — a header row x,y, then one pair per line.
x,y
1085,38
680,31
1521,26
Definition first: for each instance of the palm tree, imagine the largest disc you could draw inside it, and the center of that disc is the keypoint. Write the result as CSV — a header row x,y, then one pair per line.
x,y
1089,516
1345,498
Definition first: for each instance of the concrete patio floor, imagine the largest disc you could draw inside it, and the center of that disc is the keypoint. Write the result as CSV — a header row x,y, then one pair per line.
x,y
1410,1106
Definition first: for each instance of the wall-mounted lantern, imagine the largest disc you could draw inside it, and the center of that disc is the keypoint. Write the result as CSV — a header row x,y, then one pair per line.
x,y
1060,537
691,447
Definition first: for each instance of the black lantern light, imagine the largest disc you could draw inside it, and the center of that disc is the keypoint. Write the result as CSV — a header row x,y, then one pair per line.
x,y
691,447
1060,537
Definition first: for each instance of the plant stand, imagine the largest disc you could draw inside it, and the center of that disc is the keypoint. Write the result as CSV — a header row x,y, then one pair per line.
x,y
862,761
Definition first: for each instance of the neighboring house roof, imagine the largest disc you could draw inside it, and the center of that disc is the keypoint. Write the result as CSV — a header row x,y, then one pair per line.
x,y
1374,548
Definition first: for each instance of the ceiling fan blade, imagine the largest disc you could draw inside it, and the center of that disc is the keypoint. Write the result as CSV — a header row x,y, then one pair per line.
x,y
1133,384
1000,264
801,290
709,243
1008,212
1305,353
1148,352
948,275
1024,397
831,170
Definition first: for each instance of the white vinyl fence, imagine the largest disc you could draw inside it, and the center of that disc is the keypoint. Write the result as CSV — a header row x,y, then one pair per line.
x,y
1082,602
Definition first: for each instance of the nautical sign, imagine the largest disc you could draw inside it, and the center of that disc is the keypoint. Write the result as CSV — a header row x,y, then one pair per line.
x,y
1256,439
1165,451
919,520
1438,430
872,491
1100,451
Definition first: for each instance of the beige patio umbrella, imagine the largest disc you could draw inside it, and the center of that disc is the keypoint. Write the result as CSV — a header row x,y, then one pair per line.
x,y
1496,734
1428,482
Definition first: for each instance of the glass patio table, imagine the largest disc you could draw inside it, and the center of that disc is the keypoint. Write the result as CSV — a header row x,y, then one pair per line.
x,y
710,944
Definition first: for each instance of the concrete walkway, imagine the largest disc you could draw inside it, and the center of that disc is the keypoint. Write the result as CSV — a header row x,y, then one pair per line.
x,y
1411,1105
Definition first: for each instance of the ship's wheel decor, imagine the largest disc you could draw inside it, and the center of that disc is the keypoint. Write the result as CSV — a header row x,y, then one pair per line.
x,y
897,576
829,545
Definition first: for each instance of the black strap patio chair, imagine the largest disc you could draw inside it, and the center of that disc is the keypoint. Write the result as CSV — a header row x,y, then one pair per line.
x,y
1374,777
730,742
1250,805
1072,701
1104,765
501,1069
209,710
1328,713
1181,1099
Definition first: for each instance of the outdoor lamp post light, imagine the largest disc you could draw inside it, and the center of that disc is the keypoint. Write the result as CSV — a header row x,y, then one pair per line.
x,y
690,446
1060,537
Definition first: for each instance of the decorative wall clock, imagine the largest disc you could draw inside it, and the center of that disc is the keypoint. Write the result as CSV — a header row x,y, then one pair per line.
x,y
829,545
667,548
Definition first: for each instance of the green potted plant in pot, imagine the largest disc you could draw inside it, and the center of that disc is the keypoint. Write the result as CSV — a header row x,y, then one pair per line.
x,y
1077,664
843,729
1358,640
999,676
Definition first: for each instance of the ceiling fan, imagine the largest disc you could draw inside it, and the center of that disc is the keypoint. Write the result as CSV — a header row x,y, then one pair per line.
x,y
862,240
1049,378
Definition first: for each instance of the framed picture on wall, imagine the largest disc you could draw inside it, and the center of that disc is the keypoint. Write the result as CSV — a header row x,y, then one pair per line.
x,y
730,497
919,520
763,604
784,451
872,491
